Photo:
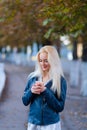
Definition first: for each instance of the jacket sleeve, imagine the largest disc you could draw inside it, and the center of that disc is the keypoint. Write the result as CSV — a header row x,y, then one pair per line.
x,y
57,104
28,95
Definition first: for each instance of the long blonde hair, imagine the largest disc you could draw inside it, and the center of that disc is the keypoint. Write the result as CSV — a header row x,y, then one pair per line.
x,y
55,67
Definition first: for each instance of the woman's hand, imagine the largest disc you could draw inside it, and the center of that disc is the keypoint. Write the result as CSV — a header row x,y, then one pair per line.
x,y
38,87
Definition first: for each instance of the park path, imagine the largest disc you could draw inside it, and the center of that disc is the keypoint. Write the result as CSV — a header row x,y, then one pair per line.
x,y
13,114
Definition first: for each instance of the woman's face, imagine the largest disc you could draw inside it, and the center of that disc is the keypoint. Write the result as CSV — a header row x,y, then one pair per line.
x,y
43,60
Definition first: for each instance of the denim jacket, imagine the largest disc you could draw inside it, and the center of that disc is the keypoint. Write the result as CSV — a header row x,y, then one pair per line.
x,y
44,108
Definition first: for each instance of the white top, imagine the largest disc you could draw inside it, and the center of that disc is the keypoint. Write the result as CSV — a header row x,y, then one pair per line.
x,y
56,126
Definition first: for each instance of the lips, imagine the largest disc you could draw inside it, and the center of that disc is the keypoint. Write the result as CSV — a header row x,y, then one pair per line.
x,y
44,67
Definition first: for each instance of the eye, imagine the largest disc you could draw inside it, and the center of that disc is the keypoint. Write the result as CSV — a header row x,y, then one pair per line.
x,y
40,60
46,61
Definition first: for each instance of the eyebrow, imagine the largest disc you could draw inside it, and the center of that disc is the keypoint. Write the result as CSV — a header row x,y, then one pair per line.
x,y
44,59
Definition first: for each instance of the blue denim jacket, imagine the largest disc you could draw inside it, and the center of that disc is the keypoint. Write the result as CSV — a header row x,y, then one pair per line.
x,y
44,108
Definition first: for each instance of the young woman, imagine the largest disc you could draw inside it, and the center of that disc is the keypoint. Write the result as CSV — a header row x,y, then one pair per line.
x,y
45,91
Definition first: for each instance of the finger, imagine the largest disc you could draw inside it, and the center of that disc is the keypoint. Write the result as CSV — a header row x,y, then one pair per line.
x,y
36,92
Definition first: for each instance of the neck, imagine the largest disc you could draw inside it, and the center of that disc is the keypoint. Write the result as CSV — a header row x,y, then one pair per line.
x,y
45,77
45,74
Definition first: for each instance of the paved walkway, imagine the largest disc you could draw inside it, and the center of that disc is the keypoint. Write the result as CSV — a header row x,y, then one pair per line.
x,y
13,114
74,116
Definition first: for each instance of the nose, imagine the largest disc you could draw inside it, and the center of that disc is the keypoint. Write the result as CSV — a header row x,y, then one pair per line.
x,y
43,62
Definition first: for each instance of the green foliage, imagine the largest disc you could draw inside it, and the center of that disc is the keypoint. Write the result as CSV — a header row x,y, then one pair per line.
x,y
26,21
71,16
47,35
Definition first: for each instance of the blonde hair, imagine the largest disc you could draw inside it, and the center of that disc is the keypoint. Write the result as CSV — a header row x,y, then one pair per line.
x,y
55,67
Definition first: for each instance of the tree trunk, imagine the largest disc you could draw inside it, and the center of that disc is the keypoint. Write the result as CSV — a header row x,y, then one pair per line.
x,y
84,53
75,57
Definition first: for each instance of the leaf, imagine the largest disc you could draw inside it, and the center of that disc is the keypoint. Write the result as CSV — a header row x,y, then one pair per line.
x,y
48,33
2,19
46,21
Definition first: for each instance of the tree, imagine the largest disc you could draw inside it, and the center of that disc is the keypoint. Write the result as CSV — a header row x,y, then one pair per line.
x,y
20,25
23,22
67,17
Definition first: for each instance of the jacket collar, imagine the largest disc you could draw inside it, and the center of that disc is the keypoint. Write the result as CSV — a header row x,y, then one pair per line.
x,y
49,84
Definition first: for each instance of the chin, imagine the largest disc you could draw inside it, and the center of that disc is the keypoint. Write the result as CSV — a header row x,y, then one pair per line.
x,y
44,70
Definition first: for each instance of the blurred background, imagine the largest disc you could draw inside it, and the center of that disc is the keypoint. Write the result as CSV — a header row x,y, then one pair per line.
x,y
26,26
